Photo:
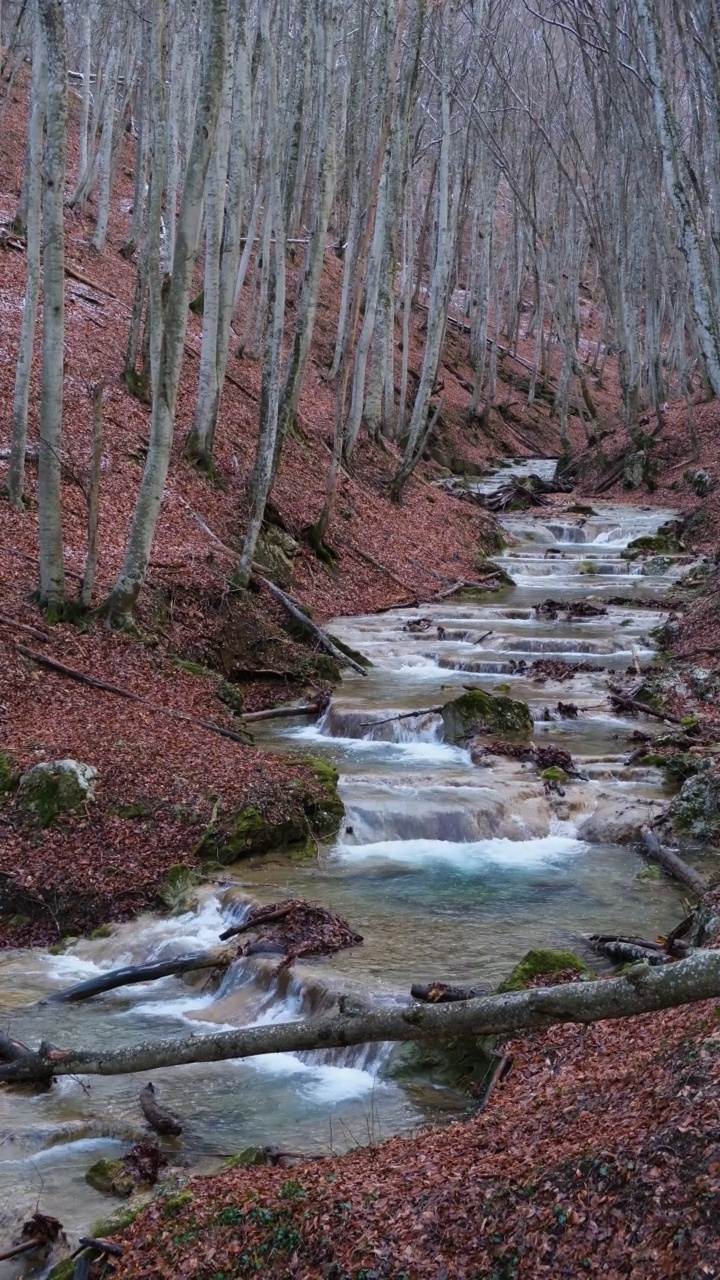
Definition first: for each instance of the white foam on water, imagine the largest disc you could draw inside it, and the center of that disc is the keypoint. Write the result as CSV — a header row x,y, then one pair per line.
x,y
416,749
470,856
60,1151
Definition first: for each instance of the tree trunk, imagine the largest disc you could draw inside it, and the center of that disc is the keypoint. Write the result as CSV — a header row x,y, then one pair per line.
x,y
33,221
52,572
641,989
121,602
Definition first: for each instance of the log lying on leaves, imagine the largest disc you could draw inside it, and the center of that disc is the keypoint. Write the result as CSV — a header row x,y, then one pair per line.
x,y
672,863
160,1118
641,989
120,692
139,973
321,636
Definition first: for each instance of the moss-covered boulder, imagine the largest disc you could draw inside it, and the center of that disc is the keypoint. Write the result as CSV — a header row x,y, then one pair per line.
x,y
695,811
456,1060
542,962
481,712
51,789
316,811
110,1178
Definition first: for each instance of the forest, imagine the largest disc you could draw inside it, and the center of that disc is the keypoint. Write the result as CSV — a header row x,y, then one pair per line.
x,y
359,612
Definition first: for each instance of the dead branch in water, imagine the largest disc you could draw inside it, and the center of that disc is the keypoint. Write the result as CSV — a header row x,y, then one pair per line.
x,y
673,864
115,978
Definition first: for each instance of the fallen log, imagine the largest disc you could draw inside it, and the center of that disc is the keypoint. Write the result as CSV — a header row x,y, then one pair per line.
x,y
642,989
282,713
622,702
115,978
673,864
321,636
624,950
95,683
160,1118
23,626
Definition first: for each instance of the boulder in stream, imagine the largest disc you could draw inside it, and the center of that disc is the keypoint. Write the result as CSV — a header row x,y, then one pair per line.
x,y
56,787
479,712
695,811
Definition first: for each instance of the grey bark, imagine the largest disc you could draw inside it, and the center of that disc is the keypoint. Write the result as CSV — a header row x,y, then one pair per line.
x,y
642,989
52,572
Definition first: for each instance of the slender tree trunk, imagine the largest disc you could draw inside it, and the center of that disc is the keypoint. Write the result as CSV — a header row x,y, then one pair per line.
x,y
23,368
105,152
119,606
52,572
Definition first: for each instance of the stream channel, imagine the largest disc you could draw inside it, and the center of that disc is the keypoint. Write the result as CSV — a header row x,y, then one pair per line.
x,y
449,870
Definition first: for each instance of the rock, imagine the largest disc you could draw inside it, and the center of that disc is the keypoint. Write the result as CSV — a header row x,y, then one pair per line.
x,y
478,712
110,1178
545,963
317,811
695,811
639,470
232,696
614,823
8,775
275,552
458,1060
60,786
177,889
701,482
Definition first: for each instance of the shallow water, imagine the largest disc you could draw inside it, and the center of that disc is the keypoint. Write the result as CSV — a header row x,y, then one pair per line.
x,y
450,871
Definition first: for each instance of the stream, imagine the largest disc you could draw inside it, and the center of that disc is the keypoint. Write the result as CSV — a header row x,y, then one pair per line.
x,y
450,870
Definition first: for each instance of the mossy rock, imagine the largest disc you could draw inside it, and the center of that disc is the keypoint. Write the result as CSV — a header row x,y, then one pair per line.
x,y
9,777
682,765
317,812
64,1270
477,711
177,889
695,811
554,774
49,790
246,1159
110,1178
456,1060
175,1203
102,931
543,962
275,552
231,696
486,567
579,509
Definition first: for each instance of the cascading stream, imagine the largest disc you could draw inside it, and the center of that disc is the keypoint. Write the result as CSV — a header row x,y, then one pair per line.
x,y
449,869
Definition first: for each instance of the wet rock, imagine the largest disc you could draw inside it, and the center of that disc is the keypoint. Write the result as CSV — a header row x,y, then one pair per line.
x,y
60,786
639,470
177,891
456,1061
614,823
479,712
695,811
701,482
110,1178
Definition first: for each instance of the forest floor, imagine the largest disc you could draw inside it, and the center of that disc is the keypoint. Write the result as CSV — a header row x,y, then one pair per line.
x,y
599,1153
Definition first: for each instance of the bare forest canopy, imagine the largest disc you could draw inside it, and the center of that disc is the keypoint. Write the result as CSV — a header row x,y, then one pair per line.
x,y
496,164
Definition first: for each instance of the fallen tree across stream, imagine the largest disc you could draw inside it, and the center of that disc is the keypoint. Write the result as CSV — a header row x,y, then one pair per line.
x,y
115,978
641,989
673,863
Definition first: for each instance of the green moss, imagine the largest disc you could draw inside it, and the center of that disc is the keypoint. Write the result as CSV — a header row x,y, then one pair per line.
x,y
502,687
543,962
192,668
578,509
8,774
681,766
477,711
49,790
323,806
649,874
64,1270
59,948
138,809
110,1178
174,1204
589,567
244,1159
456,1060
177,888
317,811
103,931
554,774
117,1221
653,761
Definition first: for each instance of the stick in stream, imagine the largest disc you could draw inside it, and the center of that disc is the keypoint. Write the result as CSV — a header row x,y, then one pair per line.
x,y
402,715
95,683
162,1120
282,713
321,636
443,993
139,973
673,864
